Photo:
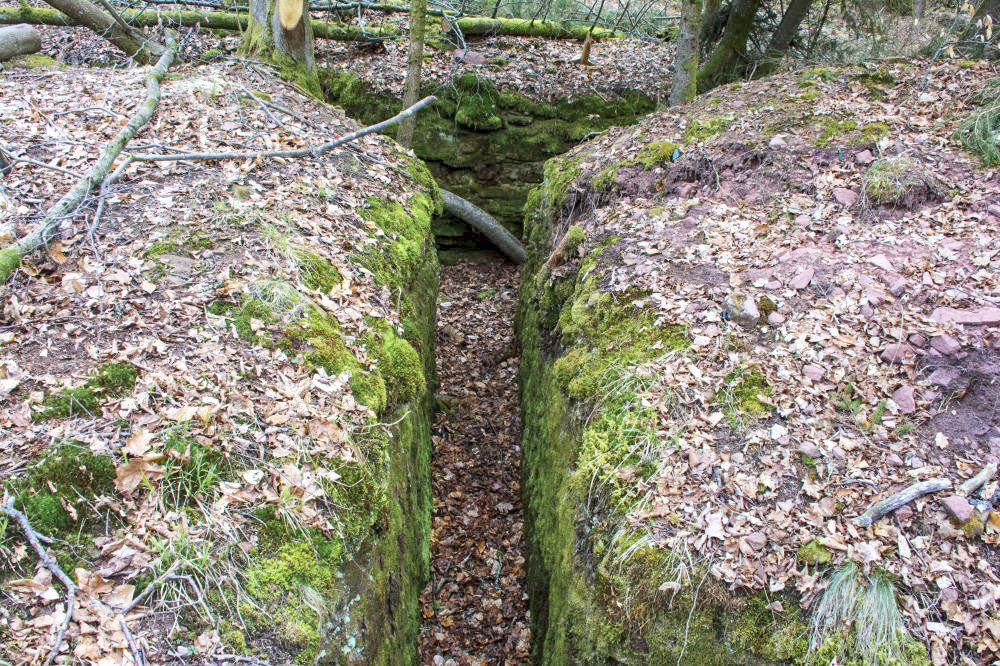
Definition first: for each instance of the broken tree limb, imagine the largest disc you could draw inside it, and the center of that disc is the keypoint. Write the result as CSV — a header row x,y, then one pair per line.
x,y
486,224
984,476
295,153
86,13
18,40
49,562
902,498
11,256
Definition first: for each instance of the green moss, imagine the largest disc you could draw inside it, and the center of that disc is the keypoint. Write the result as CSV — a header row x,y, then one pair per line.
x,y
31,61
108,380
317,272
161,247
56,494
408,234
704,127
743,395
832,127
810,77
814,553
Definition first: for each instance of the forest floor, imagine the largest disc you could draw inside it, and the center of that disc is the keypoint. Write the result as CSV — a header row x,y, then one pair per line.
x,y
474,607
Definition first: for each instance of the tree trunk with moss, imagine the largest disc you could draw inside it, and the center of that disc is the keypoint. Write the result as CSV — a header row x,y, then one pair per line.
x,y
414,64
782,38
280,32
129,41
685,85
728,59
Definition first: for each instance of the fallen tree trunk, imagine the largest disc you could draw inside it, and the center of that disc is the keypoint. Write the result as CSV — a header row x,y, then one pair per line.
x,y
216,20
515,27
11,256
343,32
85,13
484,223
18,40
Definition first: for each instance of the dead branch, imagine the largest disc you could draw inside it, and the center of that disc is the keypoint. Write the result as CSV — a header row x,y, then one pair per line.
x,y
902,498
49,563
986,474
486,224
11,256
294,153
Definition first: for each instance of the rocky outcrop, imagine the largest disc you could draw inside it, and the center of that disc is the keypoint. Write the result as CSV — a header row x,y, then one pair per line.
x,y
485,143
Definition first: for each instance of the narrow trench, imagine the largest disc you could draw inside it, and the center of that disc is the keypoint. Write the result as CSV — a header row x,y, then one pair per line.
x,y
474,609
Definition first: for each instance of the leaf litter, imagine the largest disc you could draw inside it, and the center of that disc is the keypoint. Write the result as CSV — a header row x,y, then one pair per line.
x,y
475,608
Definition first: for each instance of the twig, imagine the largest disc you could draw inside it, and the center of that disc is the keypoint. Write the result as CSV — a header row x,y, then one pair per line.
x,y
140,659
49,563
979,480
149,588
298,152
902,498
27,160
102,197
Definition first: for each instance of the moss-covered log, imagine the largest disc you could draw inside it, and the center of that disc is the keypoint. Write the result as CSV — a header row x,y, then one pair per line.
x,y
216,20
517,27
343,32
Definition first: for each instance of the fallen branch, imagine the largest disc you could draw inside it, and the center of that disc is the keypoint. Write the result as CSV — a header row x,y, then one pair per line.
x,y
486,224
902,498
49,563
18,40
293,153
11,256
986,474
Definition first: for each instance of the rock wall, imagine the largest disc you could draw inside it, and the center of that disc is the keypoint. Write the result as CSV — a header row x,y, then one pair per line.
x,y
487,144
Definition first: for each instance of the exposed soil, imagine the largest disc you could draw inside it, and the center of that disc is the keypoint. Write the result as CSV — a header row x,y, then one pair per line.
x,y
474,607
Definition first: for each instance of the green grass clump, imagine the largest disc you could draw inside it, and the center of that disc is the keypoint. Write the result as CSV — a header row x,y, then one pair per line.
x,y
109,380
858,618
980,130
190,471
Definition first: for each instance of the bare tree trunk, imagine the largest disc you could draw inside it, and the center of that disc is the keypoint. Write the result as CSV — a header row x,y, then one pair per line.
x,y
685,85
783,36
728,60
484,223
280,31
414,63
131,42
19,40
10,256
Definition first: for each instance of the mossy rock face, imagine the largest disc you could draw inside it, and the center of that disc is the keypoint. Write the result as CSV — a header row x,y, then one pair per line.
x,y
583,560
488,144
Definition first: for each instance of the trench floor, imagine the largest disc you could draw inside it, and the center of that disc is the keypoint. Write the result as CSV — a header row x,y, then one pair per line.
x,y
474,608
